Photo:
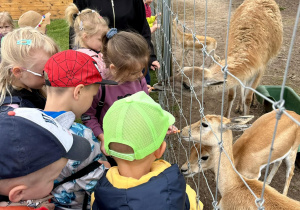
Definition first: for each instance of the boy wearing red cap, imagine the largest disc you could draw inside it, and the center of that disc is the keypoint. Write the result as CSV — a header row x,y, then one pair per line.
x,y
72,80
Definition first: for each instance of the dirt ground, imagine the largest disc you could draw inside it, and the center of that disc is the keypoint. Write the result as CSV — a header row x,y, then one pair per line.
x,y
216,27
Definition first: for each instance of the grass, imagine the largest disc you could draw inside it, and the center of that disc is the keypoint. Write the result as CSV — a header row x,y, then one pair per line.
x,y
59,31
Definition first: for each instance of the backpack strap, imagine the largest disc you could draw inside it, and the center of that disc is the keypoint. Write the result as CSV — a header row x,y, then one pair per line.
x,y
100,103
91,167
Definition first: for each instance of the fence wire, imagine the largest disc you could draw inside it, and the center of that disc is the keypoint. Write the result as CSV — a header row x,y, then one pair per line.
x,y
166,48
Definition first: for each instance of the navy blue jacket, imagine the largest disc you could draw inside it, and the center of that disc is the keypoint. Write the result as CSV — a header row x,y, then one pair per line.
x,y
162,192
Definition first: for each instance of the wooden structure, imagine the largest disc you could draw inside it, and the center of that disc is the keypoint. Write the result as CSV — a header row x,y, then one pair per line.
x,y
17,7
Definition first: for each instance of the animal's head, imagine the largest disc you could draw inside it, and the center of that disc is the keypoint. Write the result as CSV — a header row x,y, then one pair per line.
x,y
211,127
208,156
205,158
182,82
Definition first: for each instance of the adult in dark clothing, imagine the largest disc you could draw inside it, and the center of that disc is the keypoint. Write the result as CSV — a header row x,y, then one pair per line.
x,y
124,15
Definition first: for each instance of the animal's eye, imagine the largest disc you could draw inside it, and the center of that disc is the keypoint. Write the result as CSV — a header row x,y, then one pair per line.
x,y
185,86
204,157
204,125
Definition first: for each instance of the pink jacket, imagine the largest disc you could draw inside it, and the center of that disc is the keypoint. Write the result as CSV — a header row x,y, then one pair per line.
x,y
98,58
148,10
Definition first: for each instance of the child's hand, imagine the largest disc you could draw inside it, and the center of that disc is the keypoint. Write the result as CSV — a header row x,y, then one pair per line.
x,y
159,14
155,65
172,130
101,138
149,88
105,163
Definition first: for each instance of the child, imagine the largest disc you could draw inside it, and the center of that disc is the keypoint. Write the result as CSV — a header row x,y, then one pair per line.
x,y
24,54
151,19
29,163
72,80
89,27
135,141
126,54
6,25
35,20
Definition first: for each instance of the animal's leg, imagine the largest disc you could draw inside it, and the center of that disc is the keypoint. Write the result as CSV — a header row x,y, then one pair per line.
x,y
240,106
185,56
273,171
253,83
290,166
231,97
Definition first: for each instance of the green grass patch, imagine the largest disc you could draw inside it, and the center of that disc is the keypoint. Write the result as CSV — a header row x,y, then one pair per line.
x,y
59,31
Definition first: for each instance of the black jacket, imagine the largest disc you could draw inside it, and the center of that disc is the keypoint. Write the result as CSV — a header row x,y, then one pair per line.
x,y
25,98
129,15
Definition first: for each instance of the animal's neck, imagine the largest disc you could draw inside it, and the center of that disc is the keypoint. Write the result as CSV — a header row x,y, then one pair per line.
x,y
228,178
177,31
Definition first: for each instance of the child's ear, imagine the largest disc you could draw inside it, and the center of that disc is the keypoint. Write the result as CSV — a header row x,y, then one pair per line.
x,y
112,69
84,36
16,71
17,193
77,91
160,151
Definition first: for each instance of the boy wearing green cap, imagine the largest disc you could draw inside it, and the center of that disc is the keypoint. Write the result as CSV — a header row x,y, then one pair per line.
x,y
135,128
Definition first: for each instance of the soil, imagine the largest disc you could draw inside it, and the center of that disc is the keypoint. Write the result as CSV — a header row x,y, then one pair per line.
x,y
217,27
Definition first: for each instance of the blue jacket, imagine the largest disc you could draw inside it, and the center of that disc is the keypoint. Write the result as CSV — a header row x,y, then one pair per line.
x,y
165,191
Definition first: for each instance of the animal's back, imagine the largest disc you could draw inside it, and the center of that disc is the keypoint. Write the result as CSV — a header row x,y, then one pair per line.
x,y
241,198
255,34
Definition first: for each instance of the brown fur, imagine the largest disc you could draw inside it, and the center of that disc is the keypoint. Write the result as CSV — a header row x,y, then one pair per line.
x,y
230,185
255,37
187,41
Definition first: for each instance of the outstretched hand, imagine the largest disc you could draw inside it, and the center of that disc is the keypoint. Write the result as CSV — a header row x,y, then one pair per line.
x,y
155,65
172,130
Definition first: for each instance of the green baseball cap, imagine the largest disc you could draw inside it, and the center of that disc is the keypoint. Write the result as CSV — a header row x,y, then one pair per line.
x,y
138,122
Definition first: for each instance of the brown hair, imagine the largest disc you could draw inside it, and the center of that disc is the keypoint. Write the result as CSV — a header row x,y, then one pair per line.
x,y
6,18
87,21
124,50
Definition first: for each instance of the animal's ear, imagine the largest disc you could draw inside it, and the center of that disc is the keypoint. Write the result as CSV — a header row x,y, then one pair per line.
x,y
238,123
241,119
208,61
236,127
212,81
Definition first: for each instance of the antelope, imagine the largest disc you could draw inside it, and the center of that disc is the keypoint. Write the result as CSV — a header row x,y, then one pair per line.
x,y
234,193
187,41
255,37
251,149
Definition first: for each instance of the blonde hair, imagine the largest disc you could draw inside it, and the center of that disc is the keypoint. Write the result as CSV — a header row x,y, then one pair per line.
x,y
19,54
87,21
124,50
6,18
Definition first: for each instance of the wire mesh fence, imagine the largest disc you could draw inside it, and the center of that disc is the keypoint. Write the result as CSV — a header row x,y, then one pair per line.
x,y
178,46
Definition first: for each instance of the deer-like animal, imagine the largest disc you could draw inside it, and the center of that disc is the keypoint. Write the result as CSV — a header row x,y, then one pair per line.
x,y
187,41
255,37
235,195
251,149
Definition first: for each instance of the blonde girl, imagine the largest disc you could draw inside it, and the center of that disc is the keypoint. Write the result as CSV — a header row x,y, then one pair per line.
x,y
6,23
126,54
24,54
89,28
